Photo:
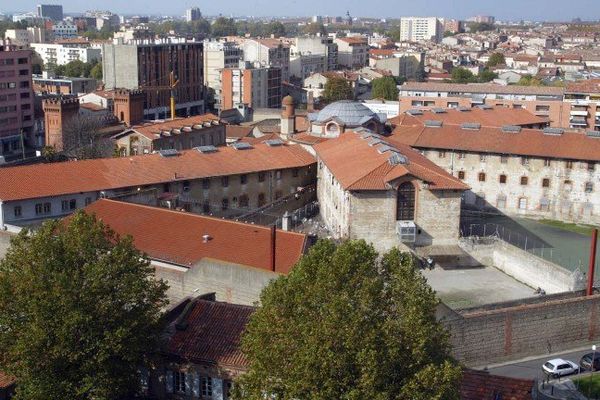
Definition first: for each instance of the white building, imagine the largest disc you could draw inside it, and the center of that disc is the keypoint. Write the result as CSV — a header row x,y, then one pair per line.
x,y
420,29
61,54
353,52
219,55
312,54
192,14
64,30
269,53
24,37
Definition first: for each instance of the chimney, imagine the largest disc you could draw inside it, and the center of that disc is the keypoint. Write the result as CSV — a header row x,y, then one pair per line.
x,y
288,116
310,102
273,245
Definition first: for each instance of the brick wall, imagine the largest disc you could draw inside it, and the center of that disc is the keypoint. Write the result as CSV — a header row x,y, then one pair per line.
x,y
485,336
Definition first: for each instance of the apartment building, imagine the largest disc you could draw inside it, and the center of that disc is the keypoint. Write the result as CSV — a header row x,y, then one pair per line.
x,y
217,56
63,53
353,52
313,54
24,37
224,181
543,101
16,101
269,53
421,29
64,30
253,87
142,64
584,100
546,173
192,14
53,12
47,84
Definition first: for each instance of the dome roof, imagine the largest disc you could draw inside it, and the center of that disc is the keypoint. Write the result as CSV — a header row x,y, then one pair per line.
x,y
351,113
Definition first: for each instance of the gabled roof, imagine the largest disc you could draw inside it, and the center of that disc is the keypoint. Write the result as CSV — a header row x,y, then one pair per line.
x,y
483,88
480,385
177,237
359,165
212,335
54,179
154,130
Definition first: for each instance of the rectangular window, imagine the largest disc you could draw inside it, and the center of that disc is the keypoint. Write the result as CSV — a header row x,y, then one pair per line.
x,y
206,207
224,204
73,204
18,211
524,160
205,183
502,178
481,177
47,208
441,154
524,180
206,386
591,166
88,201
178,382
547,162
545,182
243,179
22,60
503,159
482,157
461,175
569,164
522,203
295,172
39,209
64,205
278,175
461,155
225,181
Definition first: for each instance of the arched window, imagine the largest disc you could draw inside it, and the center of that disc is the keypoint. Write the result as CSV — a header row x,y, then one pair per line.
x,y
405,202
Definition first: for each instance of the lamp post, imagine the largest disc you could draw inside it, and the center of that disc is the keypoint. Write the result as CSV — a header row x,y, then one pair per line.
x,y
592,369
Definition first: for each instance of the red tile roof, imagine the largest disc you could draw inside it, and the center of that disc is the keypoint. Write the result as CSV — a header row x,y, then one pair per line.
x,y
482,88
237,131
587,86
177,237
479,385
359,166
6,380
152,130
354,40
212,335
493,117
43,180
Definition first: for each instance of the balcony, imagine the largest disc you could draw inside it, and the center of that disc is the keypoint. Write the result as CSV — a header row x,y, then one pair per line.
x,y
579,113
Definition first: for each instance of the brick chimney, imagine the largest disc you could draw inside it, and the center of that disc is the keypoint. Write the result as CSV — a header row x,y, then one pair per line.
x,y
288,116
57,113
129,106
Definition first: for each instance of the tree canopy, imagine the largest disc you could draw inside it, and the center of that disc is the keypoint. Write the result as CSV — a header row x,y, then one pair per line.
x,y
337,88
384,88
224,27
80,312
347,325
462,75
496,59
530,80
76,69
315,28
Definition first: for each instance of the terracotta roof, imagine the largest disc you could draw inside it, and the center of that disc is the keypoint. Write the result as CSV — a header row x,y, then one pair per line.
x,y
92,106
493,117
6,380
43,180
480,385
212,335
152,130
261,139
359,166
528,142
271,43
176,236
354,40
482,88
237,131
587,86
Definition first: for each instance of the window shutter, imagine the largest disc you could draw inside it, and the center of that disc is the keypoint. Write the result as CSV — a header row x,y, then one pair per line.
x,y
196,385
217,389
169,382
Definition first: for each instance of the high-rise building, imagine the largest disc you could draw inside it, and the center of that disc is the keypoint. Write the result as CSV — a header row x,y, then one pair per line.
x,y
141,64
16,101
253,87
51,11
193,14
218,55
420,29
483,19
269,53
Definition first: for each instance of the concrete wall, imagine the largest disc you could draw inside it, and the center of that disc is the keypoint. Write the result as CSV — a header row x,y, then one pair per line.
x,y
232,283
481,337
120,66
524,267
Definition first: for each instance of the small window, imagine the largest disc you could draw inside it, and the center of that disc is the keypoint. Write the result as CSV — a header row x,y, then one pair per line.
x,y
206,207
295,172
224,204
243,200
278,175
72,204
47,208
461,155
186,186
522,203
569,164
524,160
225,181
262,175
261,199
503,159
591,166
64,205
243,179
18,211
547,162
502,178
206,386
441,154
461,175
568,185
178,382
206,183
524,181
39,209
589,187
482,157
481,177
545,183
88,201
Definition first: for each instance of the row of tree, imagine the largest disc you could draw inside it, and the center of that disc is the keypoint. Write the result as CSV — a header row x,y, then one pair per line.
x,y
78,69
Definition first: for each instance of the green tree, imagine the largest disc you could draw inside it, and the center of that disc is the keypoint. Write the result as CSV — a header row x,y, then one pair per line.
x,y
487,76
346,325
337,88
80,312
75,68
496,59
315,28
384,88
530,80
462,75
276,29
480,27
96,72
223,27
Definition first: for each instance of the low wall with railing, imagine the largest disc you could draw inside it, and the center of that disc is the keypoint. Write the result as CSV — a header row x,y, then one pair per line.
x,y
525,267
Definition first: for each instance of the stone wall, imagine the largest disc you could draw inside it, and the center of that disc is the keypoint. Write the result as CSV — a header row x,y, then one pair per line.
x,y
485,336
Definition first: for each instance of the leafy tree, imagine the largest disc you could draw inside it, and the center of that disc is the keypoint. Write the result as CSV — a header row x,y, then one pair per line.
x,y
83,138
337,88
223,27
80,309
448,34
346,325
75,68
315,28
487,76
420,73
384,88
276,29
496,59
96,72
462,75
480,27
530,80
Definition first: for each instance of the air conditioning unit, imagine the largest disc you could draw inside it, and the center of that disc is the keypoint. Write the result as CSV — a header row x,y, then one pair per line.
x,y
407,231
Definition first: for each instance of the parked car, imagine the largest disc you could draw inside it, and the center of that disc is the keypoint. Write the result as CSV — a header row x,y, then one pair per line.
x,y
559,367
586,361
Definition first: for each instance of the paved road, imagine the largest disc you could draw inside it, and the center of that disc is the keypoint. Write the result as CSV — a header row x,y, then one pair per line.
x,y
531,368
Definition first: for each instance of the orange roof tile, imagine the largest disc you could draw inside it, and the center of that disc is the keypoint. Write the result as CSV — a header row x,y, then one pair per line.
x,y
44,180
359,166
152,130
479,385
176,236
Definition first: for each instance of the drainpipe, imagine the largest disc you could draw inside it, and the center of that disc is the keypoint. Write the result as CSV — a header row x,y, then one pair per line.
x,y
590,286
273,246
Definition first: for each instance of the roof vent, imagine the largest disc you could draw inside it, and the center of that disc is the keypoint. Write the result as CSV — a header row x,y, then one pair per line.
x,y
471,126
397,158
383,148
376,141
207,149
369,135
593,134
206,238
242,146
553,131
511,128
463,109
485,107
168,153
438,110
414,112
433,124
274,142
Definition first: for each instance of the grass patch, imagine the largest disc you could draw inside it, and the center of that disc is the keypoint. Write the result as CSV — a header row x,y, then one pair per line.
x,y
589,386
582,229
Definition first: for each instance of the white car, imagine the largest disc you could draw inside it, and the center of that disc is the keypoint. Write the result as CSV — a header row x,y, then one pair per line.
x,y
559,367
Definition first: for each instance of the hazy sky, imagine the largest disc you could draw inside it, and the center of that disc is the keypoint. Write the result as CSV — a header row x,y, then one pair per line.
x,y
554,10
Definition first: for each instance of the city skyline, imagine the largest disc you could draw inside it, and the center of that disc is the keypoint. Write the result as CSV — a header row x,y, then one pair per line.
x,y
536,10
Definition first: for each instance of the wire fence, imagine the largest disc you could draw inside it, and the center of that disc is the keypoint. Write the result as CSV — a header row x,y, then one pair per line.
x,y
299,216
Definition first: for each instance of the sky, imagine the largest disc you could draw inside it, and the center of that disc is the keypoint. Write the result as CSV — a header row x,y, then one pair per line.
x,y
538,10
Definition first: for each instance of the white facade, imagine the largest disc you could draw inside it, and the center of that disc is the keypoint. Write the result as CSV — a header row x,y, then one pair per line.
x,y
60,54
268,53
192,14
64,30
24,37
219,55
421,29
